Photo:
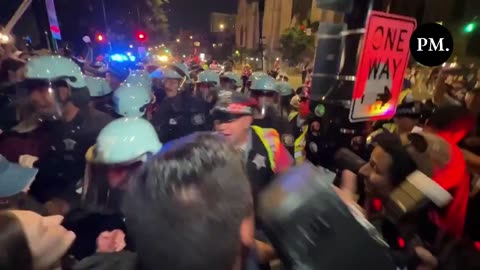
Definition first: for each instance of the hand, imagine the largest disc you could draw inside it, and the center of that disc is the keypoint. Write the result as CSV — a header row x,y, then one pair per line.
x,y
427,260
27,160
111,241
265,252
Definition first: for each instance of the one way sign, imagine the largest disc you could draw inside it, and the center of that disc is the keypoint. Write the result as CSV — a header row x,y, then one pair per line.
x,y
381,69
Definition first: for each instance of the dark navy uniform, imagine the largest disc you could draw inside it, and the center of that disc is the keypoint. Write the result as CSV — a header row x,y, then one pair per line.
x,y
180,116
64,166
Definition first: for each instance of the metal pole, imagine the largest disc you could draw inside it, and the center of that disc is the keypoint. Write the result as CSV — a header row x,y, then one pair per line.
x,y
107,30
104,15
261,9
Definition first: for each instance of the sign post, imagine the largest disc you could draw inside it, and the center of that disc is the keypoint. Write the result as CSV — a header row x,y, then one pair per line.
x,y
52,19
381,69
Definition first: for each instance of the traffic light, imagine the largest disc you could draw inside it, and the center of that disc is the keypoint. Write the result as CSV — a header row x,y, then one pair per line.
x,y
100,37
469,28
141,36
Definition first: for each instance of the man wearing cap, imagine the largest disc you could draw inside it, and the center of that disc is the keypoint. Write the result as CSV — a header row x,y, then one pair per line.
x,y
264,154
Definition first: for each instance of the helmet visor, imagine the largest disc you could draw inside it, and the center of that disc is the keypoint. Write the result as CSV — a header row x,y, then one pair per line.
x,y
48,98
206,91
266,101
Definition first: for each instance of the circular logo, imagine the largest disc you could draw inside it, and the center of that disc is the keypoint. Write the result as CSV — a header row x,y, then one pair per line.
x,y
431,44
319,110
198,119
288,140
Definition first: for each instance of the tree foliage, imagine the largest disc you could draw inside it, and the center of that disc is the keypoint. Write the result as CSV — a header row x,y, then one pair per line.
x,y
156,20
296,44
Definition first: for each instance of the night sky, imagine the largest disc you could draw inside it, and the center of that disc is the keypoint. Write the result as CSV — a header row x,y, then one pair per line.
x,y
195,14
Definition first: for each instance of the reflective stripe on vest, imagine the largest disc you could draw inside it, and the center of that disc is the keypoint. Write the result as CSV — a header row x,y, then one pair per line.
x,y
271,140
403,95
391,127
300,144
292,115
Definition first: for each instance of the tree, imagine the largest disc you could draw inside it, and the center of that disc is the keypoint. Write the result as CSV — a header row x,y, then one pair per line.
x,y
296,44
156,20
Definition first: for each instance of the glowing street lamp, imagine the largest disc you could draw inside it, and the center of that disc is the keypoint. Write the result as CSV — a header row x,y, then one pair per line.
x,y
222,26
191,37
178,40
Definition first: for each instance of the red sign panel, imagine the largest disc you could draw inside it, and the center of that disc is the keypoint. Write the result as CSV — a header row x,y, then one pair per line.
x,y
381,69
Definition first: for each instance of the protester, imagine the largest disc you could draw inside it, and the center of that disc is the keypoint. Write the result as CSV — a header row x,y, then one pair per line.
x,y
30,241
185,208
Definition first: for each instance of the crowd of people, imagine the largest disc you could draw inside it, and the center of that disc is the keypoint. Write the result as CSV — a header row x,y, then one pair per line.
x,y
109,166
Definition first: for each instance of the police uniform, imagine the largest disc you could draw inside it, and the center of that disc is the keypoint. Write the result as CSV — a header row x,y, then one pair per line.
x,y
270,116
275,121
300,130
180,116
64,165
264,154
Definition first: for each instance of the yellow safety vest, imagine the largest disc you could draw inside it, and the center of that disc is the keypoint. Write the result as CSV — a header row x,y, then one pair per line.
x,y
300,142
271,140
292,115
403,95
390,127
299,146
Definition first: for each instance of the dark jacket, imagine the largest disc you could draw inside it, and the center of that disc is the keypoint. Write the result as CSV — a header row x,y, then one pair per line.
x,y
124,260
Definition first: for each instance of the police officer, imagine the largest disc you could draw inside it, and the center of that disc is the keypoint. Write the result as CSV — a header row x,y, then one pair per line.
x,y
298,120
264,90
131,100
207,85
255,75
286,95
182,70
179,114
231,81
60,98
100,94
121,146
263,152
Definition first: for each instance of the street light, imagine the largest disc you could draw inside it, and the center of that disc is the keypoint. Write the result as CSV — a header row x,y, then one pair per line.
x,y
178,40
222,26
191,37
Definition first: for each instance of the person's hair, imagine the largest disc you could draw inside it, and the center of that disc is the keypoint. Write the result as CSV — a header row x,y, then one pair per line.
x,y
185,206
7,65
15,253
444,117
402,163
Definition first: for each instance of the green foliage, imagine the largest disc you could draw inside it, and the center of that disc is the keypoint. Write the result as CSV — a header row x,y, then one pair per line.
x,y
296,44
156,21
